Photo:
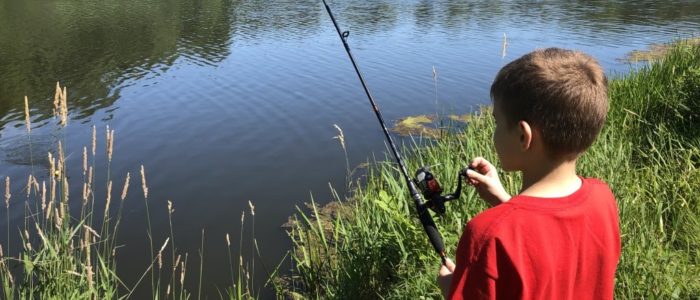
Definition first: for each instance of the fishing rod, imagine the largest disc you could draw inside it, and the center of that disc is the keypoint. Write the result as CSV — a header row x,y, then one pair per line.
x,y
425,180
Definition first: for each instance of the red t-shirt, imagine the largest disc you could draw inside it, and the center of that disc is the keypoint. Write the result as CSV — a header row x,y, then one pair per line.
x,y
541,248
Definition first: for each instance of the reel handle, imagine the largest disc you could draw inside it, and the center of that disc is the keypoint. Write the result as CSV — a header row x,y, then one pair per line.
x,y
432,191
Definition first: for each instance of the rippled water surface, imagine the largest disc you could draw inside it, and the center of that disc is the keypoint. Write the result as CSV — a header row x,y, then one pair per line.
x,y
229,101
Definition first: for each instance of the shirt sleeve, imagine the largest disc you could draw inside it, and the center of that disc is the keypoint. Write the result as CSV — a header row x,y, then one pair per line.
x,y
472,278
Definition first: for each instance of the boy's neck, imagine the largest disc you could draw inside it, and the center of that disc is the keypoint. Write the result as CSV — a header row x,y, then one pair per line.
x,y
550,180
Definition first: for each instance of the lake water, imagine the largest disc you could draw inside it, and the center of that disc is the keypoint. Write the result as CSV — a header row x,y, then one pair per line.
x,y
228,101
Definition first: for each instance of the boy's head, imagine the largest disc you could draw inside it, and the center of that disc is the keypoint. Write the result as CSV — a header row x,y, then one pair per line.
x,y
559,95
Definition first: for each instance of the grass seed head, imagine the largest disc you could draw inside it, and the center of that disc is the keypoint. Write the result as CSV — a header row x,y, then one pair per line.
x,y
109,198
94,140
57,100
85,164
126,186
7,192
26,115
340,136
143,183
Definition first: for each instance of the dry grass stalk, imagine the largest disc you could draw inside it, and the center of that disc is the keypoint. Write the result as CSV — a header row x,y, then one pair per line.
x,y
65,198
170,208
340,136
89,182
57,100
90,274
177,261
53,191
29,185
61,160
36,185
65,190
41,233
252,208
64,107
27,239
94,140
49,206
126,186
26,115
182,271
160,253
85,244
3,267
143,183
52,166
43,196
7,192
109,198
110,143
85,164
58,220
167,291
228,241
85,196
90,230
242,217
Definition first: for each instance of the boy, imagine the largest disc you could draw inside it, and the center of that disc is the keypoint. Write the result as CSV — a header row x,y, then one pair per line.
x,y
559,237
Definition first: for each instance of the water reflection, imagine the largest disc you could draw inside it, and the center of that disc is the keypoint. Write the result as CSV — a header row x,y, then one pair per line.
x,y
96,47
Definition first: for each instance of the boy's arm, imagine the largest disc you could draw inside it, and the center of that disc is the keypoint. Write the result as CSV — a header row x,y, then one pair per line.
x,y
485,180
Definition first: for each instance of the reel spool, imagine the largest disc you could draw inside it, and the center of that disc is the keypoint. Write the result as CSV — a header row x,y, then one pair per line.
x,y
432,191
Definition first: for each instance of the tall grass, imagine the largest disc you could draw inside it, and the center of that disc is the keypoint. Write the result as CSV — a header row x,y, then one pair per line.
x,y
74,255
648,152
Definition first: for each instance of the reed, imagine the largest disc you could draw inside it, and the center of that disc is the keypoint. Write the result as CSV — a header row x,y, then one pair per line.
x,y
341,138
61,253
372,246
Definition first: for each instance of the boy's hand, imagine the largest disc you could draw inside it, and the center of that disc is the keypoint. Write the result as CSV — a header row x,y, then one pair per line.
x,y
485,179
444,278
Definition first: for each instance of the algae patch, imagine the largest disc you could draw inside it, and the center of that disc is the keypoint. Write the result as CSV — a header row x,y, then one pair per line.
x,y
658,51
429,126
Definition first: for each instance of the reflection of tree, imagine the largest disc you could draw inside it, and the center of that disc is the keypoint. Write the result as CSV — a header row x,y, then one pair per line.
x,y
369,16
93,47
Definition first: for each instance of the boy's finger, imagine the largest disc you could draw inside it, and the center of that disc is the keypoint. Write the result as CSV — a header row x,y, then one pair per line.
x,y
444,271
450,265
477,161
473,175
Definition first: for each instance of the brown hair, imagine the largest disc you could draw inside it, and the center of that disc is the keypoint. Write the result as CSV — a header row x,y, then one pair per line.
x,y
562,93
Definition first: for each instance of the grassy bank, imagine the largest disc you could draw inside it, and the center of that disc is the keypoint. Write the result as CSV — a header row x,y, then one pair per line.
x,y
648,152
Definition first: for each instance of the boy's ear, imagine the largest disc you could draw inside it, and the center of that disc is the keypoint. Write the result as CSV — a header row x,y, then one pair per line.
x,y
525,135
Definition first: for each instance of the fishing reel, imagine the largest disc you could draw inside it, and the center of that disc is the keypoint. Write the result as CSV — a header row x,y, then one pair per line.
x,y
432,191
